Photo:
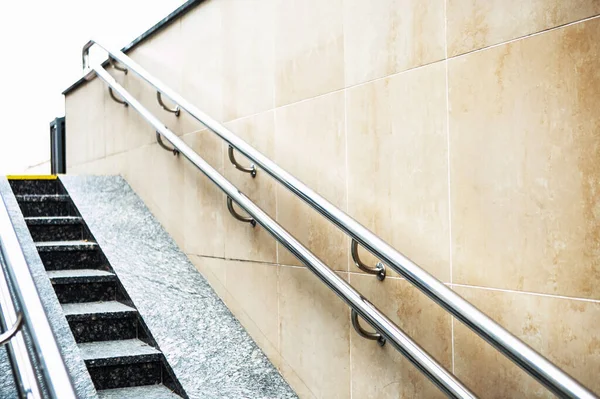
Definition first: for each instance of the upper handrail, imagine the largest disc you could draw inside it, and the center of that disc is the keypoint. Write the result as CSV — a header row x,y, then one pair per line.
x,y
46,354
555,379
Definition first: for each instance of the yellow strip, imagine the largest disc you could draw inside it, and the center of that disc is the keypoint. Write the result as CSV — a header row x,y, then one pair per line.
x,y
31,177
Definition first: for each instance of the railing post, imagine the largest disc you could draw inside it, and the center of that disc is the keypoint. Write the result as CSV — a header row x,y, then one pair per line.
x,y
58,159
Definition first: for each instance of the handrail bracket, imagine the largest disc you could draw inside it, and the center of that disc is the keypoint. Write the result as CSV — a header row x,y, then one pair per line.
x,y
375,336
7,335
175,110
236,215
118,100
379,270
160,142
115,65
238,166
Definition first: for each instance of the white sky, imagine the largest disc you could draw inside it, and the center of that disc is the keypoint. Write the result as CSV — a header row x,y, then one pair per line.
x,y
40,56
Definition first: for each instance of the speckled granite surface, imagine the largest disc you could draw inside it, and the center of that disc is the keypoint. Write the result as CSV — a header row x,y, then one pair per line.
x,y
7,384
209,351
75,365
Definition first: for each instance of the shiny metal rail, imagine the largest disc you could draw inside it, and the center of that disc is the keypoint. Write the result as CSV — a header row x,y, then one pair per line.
x,y
555,379
45,353
391,332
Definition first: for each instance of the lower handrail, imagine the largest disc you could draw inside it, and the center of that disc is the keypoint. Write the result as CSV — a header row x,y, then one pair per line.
x,y
443,379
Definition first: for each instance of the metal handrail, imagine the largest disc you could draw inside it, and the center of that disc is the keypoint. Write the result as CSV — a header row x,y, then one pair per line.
x,y
444,380
540,368
45,353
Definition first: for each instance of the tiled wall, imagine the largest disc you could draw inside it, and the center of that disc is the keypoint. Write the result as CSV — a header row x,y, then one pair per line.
x,y
466,133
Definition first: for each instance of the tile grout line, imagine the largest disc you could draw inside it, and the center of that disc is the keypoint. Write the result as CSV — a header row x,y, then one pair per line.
x,y
402,278
540,294
526,36
448,166
347,208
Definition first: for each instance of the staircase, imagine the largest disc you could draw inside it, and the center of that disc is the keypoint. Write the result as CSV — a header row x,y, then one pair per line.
x,y
121,356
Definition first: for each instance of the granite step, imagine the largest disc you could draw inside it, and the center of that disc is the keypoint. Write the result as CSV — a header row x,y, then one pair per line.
x,y
74,276
84,285
53,228
118,352
83,257
146,391
45,205
122,363
97,310
33,186
66,246
102,321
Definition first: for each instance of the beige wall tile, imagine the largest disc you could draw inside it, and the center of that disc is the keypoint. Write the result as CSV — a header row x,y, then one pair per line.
x,y
244,241
85,108
310,144
163,57
202,68
398,164
389,36
309,49
314,328
563,330
138,174
203,202
248,57
254,287
383,372
473,24
167,195
525,164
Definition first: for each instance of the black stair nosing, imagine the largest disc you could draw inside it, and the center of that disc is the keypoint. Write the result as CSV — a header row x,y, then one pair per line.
x,y
97,310
42,198
79,245
118,352
53,220
74,276
158,391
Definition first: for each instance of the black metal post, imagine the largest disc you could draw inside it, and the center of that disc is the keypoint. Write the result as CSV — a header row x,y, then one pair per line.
x,y
58,156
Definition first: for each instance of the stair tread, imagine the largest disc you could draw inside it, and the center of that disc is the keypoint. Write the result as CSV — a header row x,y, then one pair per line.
x,y
127,351
75,310
145,391
80,275
65,245
41,197
53,220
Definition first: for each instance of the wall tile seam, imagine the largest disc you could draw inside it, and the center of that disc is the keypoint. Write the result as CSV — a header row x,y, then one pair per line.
x,y
396,278
450,247
539,294
516,39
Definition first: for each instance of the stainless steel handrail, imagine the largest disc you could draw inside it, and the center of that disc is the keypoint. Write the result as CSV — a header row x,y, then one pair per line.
x,y
45,354
444,380
555,379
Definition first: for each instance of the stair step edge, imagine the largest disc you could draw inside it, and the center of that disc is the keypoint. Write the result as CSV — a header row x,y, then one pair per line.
x,y
41,197
97,310
49,246
53,220
145,391
119,352
68,276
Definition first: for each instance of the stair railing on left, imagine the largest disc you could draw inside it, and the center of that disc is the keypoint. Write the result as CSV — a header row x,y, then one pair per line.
x,y
28,318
